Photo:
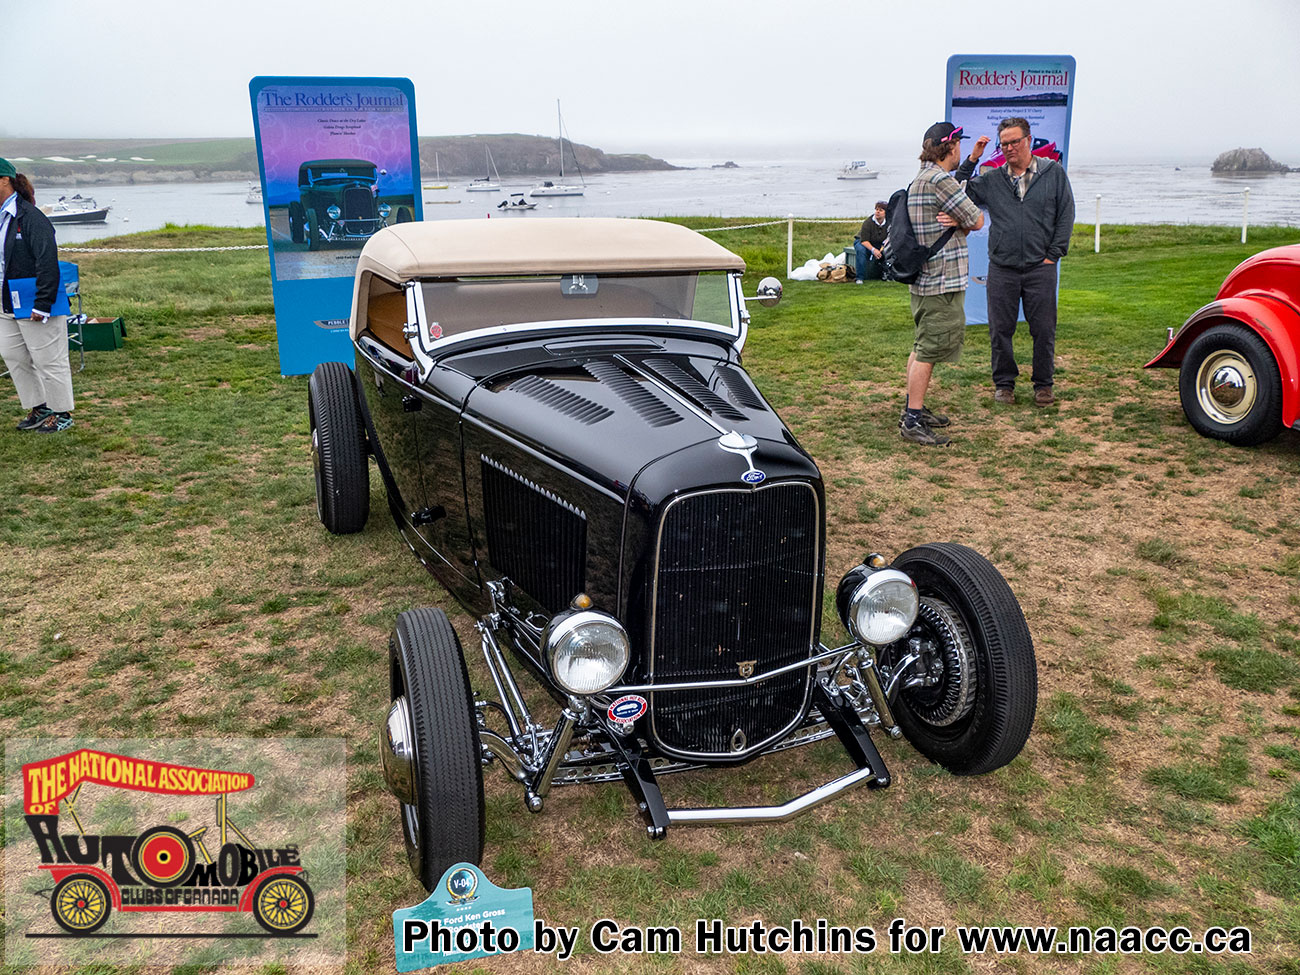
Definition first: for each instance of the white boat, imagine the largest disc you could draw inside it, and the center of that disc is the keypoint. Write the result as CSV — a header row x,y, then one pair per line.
x,y
548,188
76,209
857,169
437,184
254,194
516,205
486,184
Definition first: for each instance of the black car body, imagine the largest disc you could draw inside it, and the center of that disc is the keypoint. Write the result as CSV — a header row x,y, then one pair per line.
x,y
338,201
568,440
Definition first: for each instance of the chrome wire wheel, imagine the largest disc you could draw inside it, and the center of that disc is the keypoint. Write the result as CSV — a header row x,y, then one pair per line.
x,y
1226,387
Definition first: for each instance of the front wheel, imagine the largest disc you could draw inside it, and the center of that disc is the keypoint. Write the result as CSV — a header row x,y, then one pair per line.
x,y
338,450
80,903
283,903
1230,386
404,215
311,227
297,218
445,824
967,699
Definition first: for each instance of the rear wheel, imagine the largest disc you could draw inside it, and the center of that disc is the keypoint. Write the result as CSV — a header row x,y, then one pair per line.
x,y
1230,386
283,903
968,700
80,903
445,824
338,450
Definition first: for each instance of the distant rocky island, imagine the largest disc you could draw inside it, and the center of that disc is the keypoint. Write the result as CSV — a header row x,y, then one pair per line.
x,y
117,162
1247,161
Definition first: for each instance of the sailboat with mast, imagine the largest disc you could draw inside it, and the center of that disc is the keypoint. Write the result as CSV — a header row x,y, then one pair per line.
x,y
548,188
437,184
486,184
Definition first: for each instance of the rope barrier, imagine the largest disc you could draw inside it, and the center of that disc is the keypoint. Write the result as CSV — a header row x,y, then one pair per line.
x,y
158,250
740,226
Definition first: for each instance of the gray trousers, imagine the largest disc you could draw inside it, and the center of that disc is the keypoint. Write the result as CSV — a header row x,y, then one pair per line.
x,y
1007,287
36,355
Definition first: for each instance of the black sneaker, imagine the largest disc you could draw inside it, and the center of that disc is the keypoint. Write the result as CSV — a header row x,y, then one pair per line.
x,y
33,419
54,423
918,431
933,419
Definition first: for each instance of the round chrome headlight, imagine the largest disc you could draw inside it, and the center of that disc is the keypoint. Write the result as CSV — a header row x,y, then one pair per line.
x,y
334,212
882,608
385,209
588,651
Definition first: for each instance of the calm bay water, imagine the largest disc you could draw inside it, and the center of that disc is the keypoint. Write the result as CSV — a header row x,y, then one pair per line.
x,y
805,188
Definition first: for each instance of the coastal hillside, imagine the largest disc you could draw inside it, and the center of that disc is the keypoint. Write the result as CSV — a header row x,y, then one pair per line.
x,y
127,161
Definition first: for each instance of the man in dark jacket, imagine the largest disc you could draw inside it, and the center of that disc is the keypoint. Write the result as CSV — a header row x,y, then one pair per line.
x,y
869,243
1032,209
33,340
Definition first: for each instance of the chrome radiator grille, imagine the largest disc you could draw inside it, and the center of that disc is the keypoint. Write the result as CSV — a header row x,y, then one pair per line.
x,y
736,591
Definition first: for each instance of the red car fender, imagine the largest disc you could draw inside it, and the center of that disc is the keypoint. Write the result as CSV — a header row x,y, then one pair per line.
x,y
246,899
62,870
1276,322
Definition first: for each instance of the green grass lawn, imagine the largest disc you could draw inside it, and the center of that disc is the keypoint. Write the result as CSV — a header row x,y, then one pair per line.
x,y
165,575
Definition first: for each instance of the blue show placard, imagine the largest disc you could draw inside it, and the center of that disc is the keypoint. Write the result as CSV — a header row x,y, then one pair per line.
x,y
339,160
982,90
466,916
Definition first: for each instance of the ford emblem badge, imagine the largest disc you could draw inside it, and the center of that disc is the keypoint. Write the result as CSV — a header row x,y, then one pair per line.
x,y
753,477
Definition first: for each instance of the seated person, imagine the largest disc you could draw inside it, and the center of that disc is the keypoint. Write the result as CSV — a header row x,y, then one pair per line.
x,y
868,243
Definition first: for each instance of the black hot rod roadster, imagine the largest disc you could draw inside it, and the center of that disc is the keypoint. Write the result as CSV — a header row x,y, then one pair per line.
x,y
569,442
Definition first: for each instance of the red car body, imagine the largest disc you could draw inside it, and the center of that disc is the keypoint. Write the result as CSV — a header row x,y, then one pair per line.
x,y
1239,356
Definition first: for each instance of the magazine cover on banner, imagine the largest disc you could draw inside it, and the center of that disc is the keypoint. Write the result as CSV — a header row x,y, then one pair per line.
x,y
982,90
339,162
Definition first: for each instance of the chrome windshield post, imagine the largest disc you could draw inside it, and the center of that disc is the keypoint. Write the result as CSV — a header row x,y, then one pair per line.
x,y
416,328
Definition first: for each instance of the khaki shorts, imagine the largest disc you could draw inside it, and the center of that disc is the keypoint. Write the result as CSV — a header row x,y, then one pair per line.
x,y
940,326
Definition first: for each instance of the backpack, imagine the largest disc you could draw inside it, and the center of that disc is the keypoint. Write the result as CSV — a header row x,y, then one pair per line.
x,y
903,255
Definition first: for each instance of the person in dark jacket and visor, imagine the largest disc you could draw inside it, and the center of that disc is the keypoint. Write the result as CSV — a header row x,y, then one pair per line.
x,y
1032,209
35,349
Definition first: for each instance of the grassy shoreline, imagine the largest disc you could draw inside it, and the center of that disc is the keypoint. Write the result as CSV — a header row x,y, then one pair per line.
x,y
166,576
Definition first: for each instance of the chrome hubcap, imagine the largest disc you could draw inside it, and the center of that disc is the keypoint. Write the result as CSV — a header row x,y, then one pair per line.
x,y
397,751
1226,388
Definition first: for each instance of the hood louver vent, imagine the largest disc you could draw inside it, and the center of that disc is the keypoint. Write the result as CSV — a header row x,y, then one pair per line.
x,y
558,398
740,391
643,401
691,385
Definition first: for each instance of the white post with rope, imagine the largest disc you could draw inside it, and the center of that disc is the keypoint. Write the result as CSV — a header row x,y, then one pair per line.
x,y
1096,234
1245,209
789,244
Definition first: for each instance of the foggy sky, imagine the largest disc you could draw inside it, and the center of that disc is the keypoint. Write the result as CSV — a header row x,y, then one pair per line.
x,y
674,78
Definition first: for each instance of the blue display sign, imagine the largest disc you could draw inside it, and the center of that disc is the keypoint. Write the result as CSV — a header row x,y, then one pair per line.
x,y
466,916
982,90
339,160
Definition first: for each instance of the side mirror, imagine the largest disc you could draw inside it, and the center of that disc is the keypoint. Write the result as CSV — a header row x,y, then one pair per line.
x,y
769,292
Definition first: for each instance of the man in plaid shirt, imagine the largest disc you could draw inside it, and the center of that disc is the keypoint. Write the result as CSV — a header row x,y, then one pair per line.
x,y
939,292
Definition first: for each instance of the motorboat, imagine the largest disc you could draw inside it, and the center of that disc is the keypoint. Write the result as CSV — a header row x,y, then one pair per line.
x,y
549,188
487,184
857,169
254,194
519,203
76,209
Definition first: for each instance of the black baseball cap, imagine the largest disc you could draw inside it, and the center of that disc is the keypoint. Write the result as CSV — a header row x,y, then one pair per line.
x,y
942,132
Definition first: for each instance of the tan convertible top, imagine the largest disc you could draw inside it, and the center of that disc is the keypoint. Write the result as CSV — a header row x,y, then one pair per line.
x,y
550,245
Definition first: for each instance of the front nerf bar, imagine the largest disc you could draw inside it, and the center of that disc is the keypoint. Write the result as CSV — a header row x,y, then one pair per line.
x,y
844,721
